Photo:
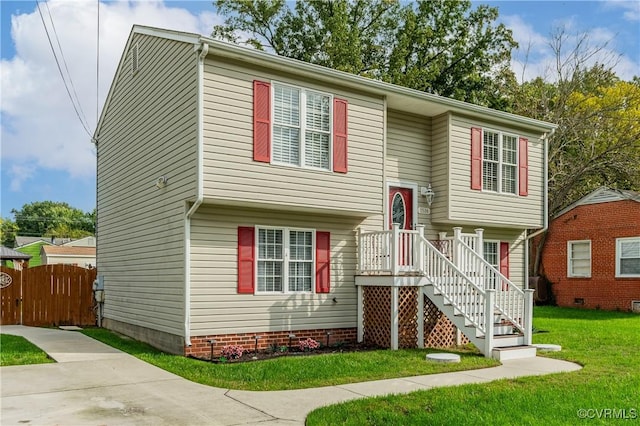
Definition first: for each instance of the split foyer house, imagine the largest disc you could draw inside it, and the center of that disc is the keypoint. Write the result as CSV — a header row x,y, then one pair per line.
x,y
592,252
244,195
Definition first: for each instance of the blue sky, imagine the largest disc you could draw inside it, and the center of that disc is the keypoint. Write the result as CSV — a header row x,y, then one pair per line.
x,y
47,155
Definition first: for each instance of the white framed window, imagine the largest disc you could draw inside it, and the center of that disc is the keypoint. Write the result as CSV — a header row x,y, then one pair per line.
x,y
285,260
491,251
301,127
628,257
579,258
499,162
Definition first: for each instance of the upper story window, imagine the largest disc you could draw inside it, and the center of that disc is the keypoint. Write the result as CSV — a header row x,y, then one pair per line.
x,y
301,127
579,258
628,257
499,162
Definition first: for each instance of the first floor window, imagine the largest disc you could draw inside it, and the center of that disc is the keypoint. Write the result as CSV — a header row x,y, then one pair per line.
x,y
628,257
285,260
579,258
490,249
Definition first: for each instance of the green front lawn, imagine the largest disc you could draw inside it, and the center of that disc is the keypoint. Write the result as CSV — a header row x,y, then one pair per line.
x,y
607,344
16,350
294,372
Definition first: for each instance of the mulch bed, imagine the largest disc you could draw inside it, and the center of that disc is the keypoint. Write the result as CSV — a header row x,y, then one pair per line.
x,y
250,356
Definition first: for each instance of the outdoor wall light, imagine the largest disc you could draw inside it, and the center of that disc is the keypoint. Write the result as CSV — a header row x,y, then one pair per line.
x,y
161,182
428,194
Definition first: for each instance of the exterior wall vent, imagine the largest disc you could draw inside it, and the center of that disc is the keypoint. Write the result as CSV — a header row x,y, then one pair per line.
x,y
635,306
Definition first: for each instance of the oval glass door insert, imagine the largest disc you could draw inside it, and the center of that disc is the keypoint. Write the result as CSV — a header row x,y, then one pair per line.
x,y
398,210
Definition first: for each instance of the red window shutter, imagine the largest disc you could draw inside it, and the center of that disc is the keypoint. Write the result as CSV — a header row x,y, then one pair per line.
x,y
476,158
323,262
523,167
246,259
340,135
504,258
261,121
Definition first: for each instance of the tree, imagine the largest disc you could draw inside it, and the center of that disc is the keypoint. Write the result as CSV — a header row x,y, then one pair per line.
x,y
8,232
441,47
597,142
49,218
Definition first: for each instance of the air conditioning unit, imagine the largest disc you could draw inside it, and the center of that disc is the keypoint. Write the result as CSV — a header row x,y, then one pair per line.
x,y
635,306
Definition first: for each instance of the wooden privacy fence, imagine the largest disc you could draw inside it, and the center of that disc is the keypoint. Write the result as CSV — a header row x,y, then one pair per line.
x,y
47,295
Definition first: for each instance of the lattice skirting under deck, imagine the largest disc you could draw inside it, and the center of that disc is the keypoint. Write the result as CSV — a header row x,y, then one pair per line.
x,y
439,331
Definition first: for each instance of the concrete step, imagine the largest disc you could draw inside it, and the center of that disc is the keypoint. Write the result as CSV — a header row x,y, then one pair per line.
x,y
513,352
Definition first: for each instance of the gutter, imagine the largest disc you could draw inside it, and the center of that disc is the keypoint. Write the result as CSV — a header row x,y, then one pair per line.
x,y
545,218
204,50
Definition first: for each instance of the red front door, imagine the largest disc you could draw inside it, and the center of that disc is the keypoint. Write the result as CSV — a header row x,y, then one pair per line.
x,y
401,207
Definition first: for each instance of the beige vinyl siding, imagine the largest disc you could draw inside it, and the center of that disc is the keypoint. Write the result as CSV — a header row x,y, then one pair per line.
x,y
485,208
232,177
440,177
148,131
408,157
216,308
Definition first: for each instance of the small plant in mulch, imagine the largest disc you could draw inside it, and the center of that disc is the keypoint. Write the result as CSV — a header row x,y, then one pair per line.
x,y
232,352
308,345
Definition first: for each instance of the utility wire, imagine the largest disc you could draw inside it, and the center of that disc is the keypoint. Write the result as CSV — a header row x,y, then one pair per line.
x,y
84,126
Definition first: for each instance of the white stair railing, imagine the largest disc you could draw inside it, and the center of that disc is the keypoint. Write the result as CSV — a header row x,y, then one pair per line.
x,y
509,298
455,287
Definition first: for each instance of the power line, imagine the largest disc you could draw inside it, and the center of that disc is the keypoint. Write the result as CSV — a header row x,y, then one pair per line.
x,y
75,108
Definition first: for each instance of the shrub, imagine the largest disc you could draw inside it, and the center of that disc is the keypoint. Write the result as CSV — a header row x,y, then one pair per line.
x,y
232,351
308,345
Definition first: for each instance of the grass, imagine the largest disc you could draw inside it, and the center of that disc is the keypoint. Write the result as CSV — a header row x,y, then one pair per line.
x,y
607,344
16,350
293,372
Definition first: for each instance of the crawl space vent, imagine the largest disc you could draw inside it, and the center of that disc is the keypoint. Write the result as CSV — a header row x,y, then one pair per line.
x,y
635,306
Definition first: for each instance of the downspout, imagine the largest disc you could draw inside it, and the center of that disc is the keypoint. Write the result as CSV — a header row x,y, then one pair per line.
x,y
545,217
204,49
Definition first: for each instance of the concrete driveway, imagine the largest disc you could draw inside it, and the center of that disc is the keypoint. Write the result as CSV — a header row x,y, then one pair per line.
x,y
95,384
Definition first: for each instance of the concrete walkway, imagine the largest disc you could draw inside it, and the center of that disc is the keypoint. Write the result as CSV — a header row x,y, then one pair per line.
x,y
95,384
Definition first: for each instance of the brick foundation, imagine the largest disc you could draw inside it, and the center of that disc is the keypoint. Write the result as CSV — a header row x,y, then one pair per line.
x,y
200,347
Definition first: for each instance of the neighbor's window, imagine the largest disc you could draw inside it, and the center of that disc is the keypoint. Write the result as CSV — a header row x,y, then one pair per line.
x,y
628,257
285,260
301,127
579,258
499,162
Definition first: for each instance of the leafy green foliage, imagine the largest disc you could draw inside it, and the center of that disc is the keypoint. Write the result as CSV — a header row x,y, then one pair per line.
x,y
441,47
17,350
53,219
605,343
8,232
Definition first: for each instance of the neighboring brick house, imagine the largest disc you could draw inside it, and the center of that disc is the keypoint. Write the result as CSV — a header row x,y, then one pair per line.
x,y
592,252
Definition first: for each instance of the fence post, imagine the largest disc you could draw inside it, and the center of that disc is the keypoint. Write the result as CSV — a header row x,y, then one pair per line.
x,y
395,317
395,236
488,322
528,315
456,253
418,248
360,314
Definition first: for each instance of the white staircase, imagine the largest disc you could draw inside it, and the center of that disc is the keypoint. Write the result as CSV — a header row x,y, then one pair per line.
x,y
486,306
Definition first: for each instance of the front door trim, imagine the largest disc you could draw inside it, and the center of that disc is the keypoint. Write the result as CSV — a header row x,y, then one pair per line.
x,y
387,208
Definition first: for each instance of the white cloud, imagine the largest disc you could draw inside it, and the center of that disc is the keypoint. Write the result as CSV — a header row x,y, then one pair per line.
x,y
536,58
631,8
39,126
